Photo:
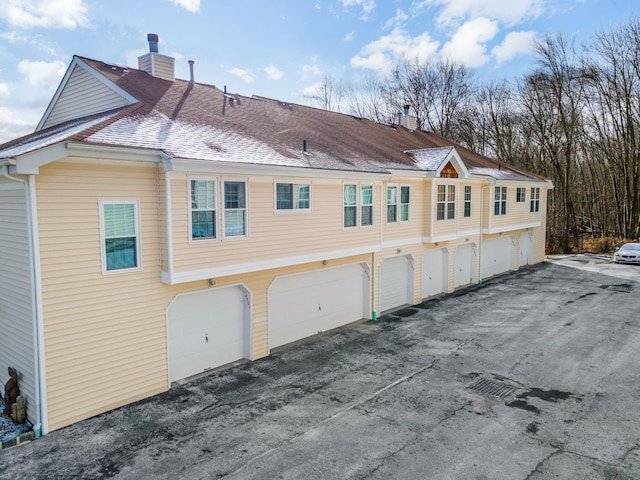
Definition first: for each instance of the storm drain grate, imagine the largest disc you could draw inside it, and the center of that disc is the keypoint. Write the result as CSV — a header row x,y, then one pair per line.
x,y
494,388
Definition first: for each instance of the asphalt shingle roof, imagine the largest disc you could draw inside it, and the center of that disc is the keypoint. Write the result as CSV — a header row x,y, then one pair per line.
x,y
202,122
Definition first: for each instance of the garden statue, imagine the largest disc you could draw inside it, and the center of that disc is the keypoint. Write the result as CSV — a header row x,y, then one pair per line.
x,y
11,392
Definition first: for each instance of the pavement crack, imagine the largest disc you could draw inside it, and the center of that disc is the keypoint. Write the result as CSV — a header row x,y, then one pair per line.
x,y
353,406
541,463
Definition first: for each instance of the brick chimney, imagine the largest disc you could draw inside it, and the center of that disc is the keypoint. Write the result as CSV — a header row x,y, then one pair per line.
x,y
161,66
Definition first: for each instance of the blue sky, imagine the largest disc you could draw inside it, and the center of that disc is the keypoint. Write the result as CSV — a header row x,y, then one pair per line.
x,y
277,48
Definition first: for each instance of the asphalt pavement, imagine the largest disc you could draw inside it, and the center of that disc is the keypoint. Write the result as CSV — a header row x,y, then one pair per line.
x,y
531,375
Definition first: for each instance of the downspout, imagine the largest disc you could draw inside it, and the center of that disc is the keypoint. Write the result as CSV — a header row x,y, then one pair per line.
x,y
383,199
168,211
40,426
492,182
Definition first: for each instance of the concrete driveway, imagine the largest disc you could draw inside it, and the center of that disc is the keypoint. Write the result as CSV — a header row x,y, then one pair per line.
x,y
532,375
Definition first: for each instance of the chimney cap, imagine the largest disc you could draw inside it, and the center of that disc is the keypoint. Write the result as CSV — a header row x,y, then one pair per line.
x,y
152,38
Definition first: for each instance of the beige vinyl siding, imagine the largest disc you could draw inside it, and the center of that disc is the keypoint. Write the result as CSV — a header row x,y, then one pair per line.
x,y
400,230
83,95
271,234
517,213
160,66
105,341
16,302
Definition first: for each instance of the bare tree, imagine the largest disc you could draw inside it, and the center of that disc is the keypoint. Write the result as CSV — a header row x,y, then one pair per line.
x,y
434,91
328,93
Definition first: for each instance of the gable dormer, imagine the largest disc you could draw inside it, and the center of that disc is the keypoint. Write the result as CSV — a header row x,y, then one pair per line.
x,y
441,162
155,64
83,91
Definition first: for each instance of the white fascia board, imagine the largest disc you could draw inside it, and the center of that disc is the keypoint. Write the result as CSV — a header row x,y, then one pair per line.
x,y
401,242
457,163
30,163
409,173
489,180
440,238
232,168
510,228
63,83
112,152
240,268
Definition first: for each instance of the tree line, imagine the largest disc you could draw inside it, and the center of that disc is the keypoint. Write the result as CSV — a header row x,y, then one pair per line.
x,y
573,118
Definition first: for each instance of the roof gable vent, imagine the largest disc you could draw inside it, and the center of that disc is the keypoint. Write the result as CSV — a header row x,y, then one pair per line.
x,y
155,64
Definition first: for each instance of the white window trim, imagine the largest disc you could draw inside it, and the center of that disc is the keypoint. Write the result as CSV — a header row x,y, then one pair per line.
x,y
289,211
504,189
524,197
446,202
218,237
398,204
534,200
103,253
359,204
465,201
223,209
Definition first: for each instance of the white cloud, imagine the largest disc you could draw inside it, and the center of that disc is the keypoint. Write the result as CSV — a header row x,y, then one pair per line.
x,y
367,6
396,21
514,43
349,36
312,90
192,6
4,89
311,68
273,73
12,126
24,14
509,12
245,75
383,54
467,45
42,74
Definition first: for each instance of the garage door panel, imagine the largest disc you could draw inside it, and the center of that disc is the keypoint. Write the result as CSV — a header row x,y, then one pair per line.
x,y
305,304
206,330
526,248
434,272
396,287
498,256
464,265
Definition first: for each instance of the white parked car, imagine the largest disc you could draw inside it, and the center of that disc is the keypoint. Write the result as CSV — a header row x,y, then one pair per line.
x,y
627,253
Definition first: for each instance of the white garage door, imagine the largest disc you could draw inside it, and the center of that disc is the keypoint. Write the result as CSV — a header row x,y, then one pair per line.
x,y
464,265
205,330
435,272
396,282
304,304
498,256
526,248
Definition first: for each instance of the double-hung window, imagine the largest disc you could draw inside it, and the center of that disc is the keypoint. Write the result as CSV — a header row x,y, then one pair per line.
x,y
446,202
366,205
120,235
404,203
521,195
292,196
392,203
398,205
203,209
350,205
535,200
467,200
235,209
357,207
500,201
